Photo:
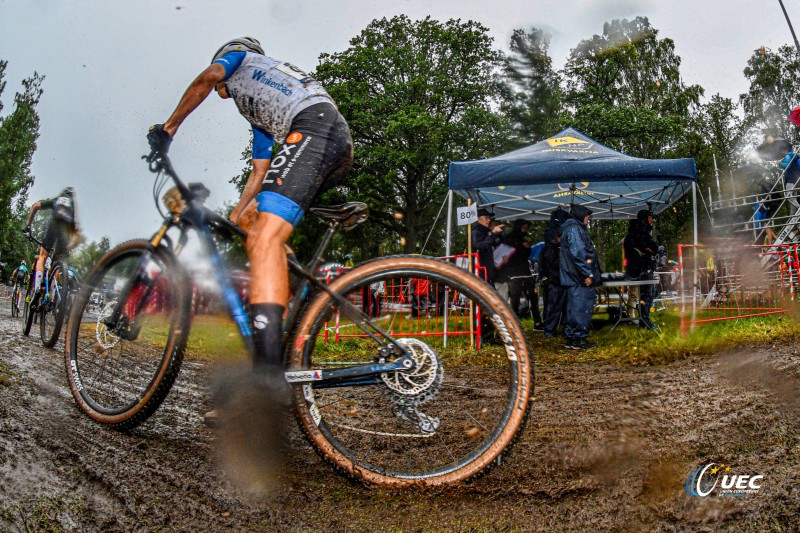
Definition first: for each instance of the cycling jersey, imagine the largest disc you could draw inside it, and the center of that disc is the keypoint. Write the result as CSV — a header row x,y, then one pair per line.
x,y
20,273
269,93
63,207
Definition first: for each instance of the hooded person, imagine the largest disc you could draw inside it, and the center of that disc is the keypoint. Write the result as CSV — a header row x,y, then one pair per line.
x,y
579,273
555,294
641,254
517,272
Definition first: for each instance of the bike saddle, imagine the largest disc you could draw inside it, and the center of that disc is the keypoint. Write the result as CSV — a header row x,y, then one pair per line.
x,y
348,215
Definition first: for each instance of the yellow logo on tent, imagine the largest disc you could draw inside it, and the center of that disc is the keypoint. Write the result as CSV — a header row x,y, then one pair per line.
x,y
568,186
569,142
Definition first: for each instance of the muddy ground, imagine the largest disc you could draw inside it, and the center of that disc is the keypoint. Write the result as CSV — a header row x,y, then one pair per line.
x,y
607,448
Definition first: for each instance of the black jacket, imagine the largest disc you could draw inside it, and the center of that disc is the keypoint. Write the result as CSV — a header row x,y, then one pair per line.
x,y
484,242
518,263
641,249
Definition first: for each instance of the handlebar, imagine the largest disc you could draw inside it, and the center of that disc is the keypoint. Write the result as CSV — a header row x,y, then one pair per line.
x,y
158,161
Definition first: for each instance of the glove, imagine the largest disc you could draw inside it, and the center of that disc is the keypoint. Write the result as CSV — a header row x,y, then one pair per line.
x,y
27,231
159,139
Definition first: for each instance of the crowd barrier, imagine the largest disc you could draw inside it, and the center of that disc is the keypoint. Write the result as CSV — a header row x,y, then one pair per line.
x,y
727,280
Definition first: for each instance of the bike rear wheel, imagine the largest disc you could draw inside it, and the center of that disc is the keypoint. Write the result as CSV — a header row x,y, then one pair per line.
x,y
451,418
53,309
123,356
15,301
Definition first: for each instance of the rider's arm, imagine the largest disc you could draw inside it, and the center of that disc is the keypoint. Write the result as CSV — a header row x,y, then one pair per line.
x,y
253,187
34,209
194,96
262,154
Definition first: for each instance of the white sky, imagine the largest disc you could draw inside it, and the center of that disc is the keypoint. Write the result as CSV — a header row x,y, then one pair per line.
x,y
114,67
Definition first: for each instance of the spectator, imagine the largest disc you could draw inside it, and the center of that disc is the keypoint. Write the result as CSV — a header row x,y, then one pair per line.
x,y
419,290
555,294
791,171
641,251
485,240
579,272
518,272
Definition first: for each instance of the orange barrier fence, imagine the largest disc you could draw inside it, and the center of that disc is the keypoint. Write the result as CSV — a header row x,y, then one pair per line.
x,y
725,280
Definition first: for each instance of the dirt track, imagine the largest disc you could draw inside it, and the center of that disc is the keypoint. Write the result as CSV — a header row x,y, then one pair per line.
x,y
607,448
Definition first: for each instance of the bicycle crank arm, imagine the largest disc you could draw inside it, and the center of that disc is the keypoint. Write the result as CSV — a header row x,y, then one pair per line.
x,y
339,375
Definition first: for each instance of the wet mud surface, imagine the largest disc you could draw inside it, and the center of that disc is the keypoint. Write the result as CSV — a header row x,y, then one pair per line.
x,y
607,447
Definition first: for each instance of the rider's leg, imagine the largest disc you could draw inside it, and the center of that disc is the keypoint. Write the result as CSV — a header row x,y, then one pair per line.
x,y
39,269
269,285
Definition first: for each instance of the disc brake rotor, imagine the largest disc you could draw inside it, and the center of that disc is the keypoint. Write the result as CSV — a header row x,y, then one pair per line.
x,y
105,338
417,386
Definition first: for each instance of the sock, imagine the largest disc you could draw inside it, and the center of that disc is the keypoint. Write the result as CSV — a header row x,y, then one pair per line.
x,y
37,280
267,333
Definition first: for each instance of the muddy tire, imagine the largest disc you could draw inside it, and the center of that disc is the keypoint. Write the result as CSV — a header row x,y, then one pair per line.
x,y
29,315
52,313
451,418
15,301
120,372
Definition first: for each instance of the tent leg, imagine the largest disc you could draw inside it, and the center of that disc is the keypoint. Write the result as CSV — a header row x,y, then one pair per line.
x,y
447,253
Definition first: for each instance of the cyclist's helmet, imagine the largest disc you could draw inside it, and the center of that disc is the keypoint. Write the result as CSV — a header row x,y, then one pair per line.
x,y
68,191
241,44
23,263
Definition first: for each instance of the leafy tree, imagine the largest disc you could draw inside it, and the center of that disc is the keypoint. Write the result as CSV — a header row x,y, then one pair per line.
x,y
774,87
625,89
533,95
417,95
88,254
19,131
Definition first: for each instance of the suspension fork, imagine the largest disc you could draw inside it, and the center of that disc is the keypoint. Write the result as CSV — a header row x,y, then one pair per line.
x,y
141,278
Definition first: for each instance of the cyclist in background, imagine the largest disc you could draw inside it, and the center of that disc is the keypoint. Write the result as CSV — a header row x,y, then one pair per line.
x,y
283,104
62,233
20,274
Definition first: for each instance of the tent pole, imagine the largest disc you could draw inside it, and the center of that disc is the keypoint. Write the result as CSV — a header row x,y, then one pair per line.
x,y
469,263
447,253
694,229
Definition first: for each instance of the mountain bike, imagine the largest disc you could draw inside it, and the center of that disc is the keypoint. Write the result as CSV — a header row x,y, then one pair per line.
x,y
17,296
393,403
49,304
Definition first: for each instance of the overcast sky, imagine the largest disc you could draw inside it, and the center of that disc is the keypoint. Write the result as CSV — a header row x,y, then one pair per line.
x,y
114,67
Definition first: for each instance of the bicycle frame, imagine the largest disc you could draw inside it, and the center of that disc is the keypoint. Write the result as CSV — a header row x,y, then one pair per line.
x,y
206,224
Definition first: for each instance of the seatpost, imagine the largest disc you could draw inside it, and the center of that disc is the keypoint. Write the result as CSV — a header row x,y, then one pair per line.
x,y
323,247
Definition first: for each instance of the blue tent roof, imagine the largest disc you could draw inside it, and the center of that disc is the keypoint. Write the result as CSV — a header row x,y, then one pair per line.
x,y
570,167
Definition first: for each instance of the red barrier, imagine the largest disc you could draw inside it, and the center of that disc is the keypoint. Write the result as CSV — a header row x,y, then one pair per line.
x,y
726,280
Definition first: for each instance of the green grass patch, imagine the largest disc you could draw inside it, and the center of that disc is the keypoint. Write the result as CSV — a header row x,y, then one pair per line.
x,y
628,344
215,337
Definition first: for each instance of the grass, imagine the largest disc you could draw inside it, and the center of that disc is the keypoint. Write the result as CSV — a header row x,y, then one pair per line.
x,y
215,337
628,344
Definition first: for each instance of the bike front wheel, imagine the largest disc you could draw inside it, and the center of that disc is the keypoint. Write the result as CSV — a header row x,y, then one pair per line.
x,y
53,308
452,416
123,356
30,311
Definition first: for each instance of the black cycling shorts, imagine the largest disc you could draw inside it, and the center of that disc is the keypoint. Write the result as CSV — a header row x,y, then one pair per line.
x,y
316,155
57,238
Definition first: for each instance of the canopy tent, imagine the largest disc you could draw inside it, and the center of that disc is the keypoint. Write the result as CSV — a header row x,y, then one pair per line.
x,y
570,167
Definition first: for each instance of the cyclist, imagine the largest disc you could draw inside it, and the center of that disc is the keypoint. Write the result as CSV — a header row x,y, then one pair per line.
x,y
19,277
282,104
62,232
20,274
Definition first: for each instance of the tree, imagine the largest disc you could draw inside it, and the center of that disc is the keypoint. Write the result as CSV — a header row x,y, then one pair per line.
x,y
626,91
532,96
774,87
87,255
417,95
19,131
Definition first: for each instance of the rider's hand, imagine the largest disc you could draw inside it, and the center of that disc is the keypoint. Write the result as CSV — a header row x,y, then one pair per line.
x,y
27,231
159,139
